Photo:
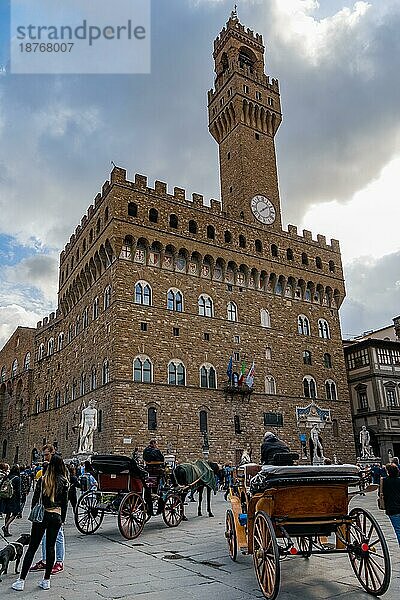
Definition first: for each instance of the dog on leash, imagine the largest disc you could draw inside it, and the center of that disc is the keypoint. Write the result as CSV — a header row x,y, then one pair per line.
x,y
12,552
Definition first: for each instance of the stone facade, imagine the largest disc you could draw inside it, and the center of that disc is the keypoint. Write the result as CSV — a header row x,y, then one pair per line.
x,y
142,267
373,370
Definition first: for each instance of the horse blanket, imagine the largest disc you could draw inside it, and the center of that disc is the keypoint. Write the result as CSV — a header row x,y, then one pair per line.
x,y
199,469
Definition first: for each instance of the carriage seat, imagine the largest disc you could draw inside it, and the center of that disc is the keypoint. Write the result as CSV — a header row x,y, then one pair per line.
x,y
284,458
283,476
155,469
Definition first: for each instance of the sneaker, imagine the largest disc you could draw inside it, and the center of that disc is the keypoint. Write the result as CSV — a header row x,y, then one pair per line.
x,y
45,584
39,566
18,585
58,567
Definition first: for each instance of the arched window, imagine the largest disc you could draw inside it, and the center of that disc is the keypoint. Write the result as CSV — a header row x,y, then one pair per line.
x,y
227,237
323,329
57,399
331,266
265,318
210,232
14,368
85,318
98,226
77,325
106,371
41,352
289,254
93,378
258,245
232,312
236,424
3,374
242,241
47,402
327,360
153,215
303,325
142,369
27,361
95,308
173,221
309,387
107,297
304,259
143,293
74,389
66,398
268,353
203,421
192,227
307,357
274,251
318,262
330,390
151,418
307,295
270,385
205,305
106,214
176,373
90,241
70,332
50,347
132,209
175,300
208,378
37,405
60,341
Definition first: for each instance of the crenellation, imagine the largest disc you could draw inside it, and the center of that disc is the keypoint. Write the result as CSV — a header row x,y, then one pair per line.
x,y
118,175
52,316
39,325
292,229
160,188
72,239
90,212
198,200
307,235
179,193
78,231
84,221
99,197
215,206
335,245
45,321
140,182
321,240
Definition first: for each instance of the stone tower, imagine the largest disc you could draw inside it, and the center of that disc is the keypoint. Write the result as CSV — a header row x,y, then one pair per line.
x,y
244,116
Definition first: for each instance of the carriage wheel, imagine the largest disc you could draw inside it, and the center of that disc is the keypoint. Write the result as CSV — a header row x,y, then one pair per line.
x,y
230,534
304,544
173,510
372,564
266,555
88,517
131,515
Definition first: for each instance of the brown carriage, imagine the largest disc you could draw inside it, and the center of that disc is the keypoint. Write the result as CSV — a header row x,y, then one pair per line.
x,y
281,511
122,489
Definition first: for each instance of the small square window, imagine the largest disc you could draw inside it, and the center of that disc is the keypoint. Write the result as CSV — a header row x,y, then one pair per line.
x,y
176,331
236,339
240,289
229,156
246,89
229,287
231,189
143,326
257,136
236,356
207,337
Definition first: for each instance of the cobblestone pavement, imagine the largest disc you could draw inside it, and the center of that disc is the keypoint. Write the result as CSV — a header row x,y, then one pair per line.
x,y
190,562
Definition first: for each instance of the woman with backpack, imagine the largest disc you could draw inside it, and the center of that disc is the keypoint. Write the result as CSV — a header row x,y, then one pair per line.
x,y
12,505
52,492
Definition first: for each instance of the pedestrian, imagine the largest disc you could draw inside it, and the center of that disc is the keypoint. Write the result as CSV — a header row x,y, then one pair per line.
x,y
25,488
12,506
391,496
52,492
4,469
395,461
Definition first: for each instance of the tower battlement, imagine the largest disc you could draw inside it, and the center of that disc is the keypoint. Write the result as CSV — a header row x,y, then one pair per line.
x,y
233,26
308,237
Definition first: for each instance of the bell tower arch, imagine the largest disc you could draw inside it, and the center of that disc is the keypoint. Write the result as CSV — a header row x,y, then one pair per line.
x,y
244,115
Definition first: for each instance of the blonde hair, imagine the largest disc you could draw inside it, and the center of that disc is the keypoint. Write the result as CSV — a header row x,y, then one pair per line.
x,y
55,469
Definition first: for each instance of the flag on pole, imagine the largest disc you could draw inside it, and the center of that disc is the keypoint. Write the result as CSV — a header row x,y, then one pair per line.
x,y
242,373
229,370
250,376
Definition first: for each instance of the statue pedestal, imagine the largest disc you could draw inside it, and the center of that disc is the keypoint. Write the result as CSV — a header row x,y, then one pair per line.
x,y
317,461
364,462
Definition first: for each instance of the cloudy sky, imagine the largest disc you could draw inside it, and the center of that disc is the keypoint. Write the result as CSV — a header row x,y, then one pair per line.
x,y
338,147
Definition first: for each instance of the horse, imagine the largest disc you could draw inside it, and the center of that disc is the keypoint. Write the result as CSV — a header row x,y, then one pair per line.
x,y
200,474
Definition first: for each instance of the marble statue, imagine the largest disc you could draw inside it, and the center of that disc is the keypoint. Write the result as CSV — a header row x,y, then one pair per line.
x,y
246,456
316,445
365,438
87,427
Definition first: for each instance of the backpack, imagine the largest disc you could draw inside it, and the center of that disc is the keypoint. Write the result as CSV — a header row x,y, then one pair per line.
x,y
25,484
6,489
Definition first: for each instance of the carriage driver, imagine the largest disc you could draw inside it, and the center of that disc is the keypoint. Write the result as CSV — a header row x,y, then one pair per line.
x,y
154,460
272,445
152,453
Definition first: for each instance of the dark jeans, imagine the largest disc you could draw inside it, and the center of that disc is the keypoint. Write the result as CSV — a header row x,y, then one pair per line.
x,y
51,524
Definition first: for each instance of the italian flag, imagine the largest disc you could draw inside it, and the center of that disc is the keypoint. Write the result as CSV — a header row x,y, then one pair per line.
x,y
242,373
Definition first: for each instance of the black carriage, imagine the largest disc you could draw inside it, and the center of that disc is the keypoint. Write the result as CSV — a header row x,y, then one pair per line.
x,y
280,511
123,490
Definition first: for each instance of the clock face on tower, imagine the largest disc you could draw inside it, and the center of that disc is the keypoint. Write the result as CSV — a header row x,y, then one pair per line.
x,y
263,209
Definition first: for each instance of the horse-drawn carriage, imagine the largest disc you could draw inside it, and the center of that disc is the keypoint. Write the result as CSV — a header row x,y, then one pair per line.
x,y
129,492
282,511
